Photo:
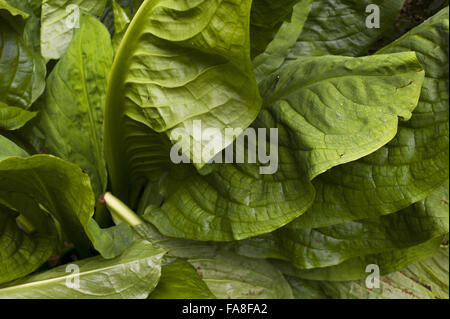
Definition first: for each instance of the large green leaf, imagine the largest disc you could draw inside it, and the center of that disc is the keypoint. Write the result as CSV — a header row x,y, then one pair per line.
x,y
71,119
179,280
176,65
13,118
59,18
22,252
412,165
133,275
22,74
337,109
338,27
426,279
332,245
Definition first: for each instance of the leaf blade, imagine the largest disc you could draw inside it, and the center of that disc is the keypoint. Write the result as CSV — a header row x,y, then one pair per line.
x,y
132,275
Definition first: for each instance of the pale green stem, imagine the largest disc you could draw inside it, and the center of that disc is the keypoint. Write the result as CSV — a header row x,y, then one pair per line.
x,y
120,210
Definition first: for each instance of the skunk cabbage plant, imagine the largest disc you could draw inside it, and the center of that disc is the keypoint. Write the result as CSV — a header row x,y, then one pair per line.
x,y
222,149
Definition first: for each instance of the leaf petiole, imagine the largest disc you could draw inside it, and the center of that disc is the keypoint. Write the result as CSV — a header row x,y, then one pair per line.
x,y
120,210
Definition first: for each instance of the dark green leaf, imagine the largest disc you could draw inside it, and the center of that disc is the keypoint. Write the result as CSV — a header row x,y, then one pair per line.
x,y
71,119
22,74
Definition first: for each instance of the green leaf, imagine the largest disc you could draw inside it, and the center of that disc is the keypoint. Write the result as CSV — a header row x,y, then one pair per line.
x,y
133,275
22,76
355,268
13,118
414,163
21,252
71,119
276,51
337,109
177,64
9,148
230,276
179,280
332,245
266,18
59,18
338,27
121,22
426,279
40,177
